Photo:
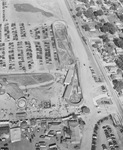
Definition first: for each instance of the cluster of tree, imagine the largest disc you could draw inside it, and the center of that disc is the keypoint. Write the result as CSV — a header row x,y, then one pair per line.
x,y
108,27
113,6
84,1
79,13
118,85
105,38
89,13
98,12
92,2
86,27
99,2
107,2
98,25
118,42
119,62
108,48
78,8
77,146
67,130
120,16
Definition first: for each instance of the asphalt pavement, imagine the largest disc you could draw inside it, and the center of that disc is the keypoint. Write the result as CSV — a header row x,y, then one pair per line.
x,y
98,65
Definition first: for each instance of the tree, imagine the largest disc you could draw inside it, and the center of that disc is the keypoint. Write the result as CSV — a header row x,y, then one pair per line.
x,y
105,38
113,6
119,62
77,146
104,29
98,12
98,25
95,45
120,16
118,85
119,71
118,42
107,2
81,121
102,21
74,16
89,13
79,13
78,8
67,130
108,27
86,27
92,2
99,2
108,48
103,8
84,1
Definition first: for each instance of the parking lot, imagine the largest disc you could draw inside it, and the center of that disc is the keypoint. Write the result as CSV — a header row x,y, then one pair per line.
x,y
105,136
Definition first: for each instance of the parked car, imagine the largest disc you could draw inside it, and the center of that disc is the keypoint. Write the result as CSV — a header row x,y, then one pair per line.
x,y
42,143
104,147
37,145
4,148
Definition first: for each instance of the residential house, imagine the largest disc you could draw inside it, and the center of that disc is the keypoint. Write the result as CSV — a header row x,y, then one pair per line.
x,y
119,51
116,76
109,64
112,69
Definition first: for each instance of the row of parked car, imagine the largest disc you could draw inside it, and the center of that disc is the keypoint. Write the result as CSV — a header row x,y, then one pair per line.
x,y
112,142
97,79
39,52
94,137
43,144
4,147
95,132
36,33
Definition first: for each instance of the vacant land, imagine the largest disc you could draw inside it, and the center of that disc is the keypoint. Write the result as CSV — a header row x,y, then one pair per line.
x,y
28,79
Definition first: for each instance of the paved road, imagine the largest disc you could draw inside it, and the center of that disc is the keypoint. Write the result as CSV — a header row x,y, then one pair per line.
x,y
87,81
96,61
81,33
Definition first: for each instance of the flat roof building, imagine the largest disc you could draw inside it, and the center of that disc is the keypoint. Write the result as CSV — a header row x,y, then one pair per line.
x,y
15,134
69,77
67,91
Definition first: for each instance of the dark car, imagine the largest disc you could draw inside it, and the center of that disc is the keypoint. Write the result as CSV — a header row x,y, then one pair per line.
x,y
93,142
6,144
116,146
42,143
111,144
42,136
93,147
104,147
4,148
114,142
104,127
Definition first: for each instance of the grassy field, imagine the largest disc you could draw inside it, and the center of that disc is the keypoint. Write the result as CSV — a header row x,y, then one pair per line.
x,y
28,79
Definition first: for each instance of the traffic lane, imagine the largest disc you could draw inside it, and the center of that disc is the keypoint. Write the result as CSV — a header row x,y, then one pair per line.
x,y
78,47
83,34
